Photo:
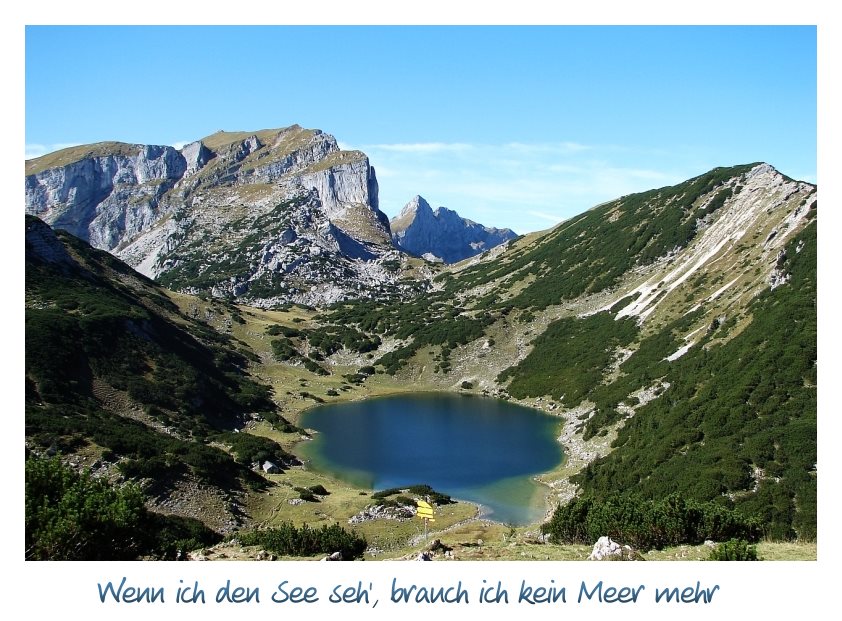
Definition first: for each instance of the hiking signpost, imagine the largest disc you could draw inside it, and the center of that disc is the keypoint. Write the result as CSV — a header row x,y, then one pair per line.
x,y
425,510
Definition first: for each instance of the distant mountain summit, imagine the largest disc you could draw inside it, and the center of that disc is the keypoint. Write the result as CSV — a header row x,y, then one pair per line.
x,y
441,234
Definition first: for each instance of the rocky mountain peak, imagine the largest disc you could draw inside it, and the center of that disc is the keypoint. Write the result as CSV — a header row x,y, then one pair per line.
x,y
444,214
418,203
415,208
196,154
206,214
442,234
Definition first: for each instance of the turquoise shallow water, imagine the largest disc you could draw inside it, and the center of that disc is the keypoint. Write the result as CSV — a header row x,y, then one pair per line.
x,y
476,449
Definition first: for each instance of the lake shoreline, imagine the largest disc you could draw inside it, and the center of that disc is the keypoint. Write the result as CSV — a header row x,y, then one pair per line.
x,y
478,441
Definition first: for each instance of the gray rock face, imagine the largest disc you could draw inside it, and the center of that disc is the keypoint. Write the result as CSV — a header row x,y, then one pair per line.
x,y
607,549
269,217
443,233
196,154
108,198
351,183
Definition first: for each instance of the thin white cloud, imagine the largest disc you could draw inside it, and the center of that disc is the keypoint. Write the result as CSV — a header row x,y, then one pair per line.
x,y
421,147
562,148
179,145
517,149
33,150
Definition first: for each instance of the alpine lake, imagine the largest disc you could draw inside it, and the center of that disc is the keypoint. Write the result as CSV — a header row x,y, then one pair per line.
x,y
472,448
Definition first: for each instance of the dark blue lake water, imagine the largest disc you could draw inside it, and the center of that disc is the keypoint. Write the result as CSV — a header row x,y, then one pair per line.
x,y
472,448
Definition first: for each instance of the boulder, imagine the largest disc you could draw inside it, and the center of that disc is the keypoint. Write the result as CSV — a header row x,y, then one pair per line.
x,y
603,548
606,549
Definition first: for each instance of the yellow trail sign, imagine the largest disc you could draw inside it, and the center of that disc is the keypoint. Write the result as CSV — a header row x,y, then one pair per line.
x,y
425,510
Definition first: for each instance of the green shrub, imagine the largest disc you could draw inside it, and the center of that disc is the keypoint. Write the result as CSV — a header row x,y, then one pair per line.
x,y
647,524
171,536
734,550
73,516
314,367
249,448
425,491
276,330
283,350
288,540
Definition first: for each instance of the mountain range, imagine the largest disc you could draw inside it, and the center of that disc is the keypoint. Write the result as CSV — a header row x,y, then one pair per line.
x,y
266,217
674,331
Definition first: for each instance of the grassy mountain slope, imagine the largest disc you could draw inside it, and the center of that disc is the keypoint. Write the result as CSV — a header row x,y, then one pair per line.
x,y
117,375
71,155
593,251
738,421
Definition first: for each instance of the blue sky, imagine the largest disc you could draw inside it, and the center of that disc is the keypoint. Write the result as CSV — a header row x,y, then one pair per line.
x,y
511,126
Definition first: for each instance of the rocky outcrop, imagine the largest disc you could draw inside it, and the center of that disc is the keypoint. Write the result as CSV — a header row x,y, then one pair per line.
x,y
270,217
383,512
349,182
348,190
442,233
196,154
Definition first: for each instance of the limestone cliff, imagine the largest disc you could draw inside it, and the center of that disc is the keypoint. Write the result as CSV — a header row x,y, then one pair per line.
x,y
270,216
102,193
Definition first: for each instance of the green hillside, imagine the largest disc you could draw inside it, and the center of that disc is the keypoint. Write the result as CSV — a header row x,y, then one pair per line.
x,y
115,371
594,250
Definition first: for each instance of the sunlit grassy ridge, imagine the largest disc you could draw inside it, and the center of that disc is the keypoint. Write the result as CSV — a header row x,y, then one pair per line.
x,y
70,155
